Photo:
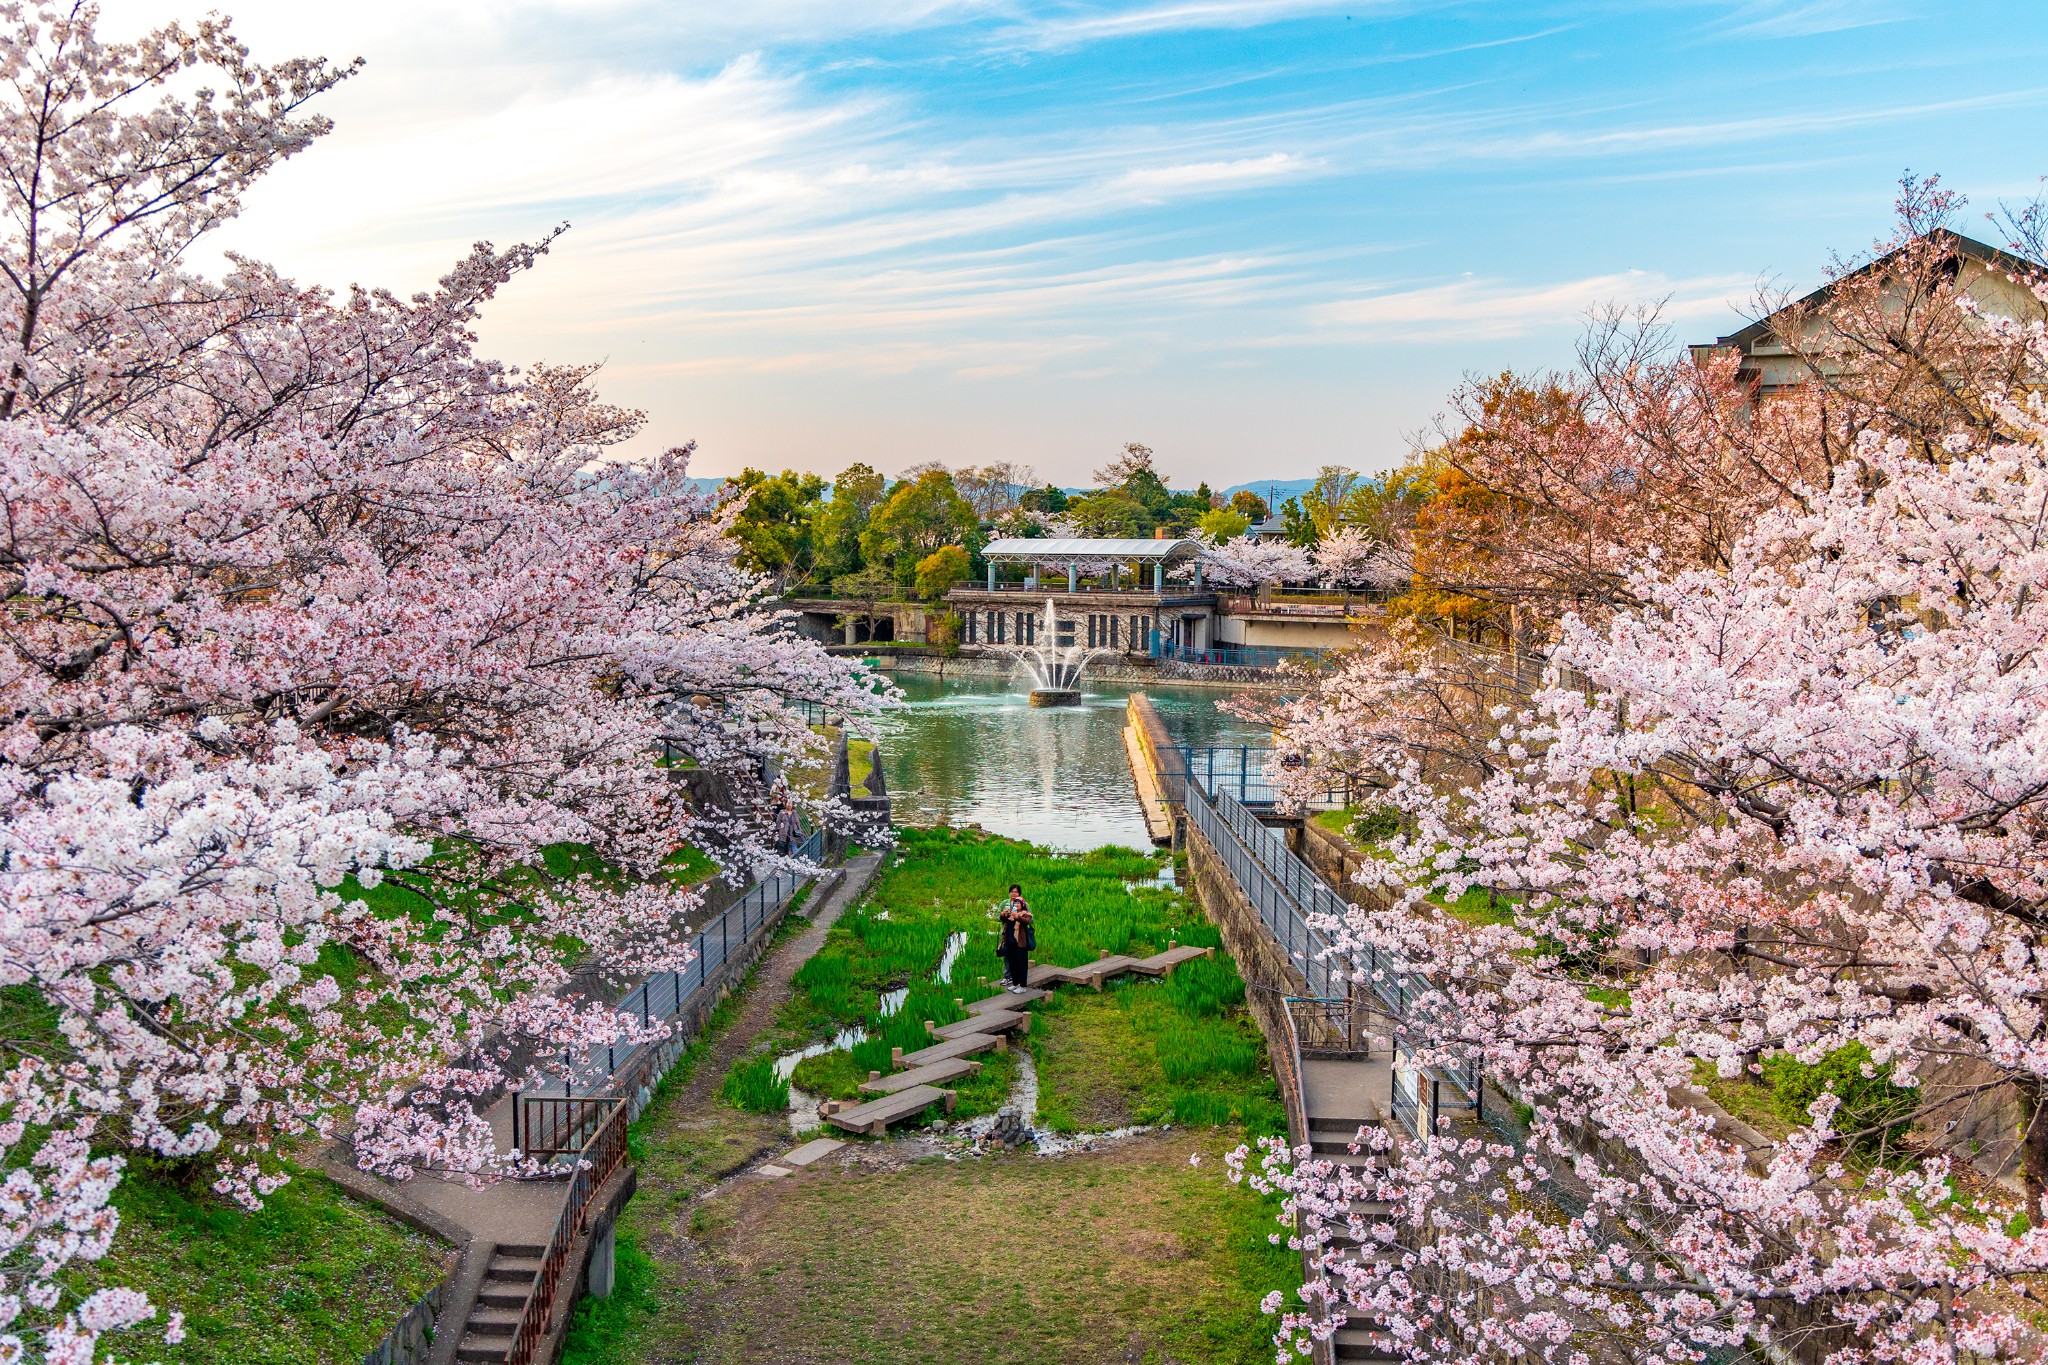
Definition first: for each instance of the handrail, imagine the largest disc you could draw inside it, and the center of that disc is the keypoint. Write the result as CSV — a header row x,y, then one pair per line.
x,y
1286,893
663,994
599,1159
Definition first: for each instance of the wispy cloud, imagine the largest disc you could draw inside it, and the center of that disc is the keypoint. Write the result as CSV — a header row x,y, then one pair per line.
x,y
1806,18
1073,28
1474,309
1219,213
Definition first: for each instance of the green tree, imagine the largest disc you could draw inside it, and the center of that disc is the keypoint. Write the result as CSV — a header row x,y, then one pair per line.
x,y
855,494
1300,526
938,571
917,518
1219,524
1250,505
1333,500
1111,512
777,529
1050,499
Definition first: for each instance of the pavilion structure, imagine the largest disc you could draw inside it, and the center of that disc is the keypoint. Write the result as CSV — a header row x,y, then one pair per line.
x,y
1109,593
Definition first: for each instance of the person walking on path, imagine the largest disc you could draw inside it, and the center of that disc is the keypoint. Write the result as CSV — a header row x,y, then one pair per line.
x,y
1018,940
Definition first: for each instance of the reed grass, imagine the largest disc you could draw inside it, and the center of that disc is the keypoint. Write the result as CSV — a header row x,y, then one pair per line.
x,y
754,1086
1205,986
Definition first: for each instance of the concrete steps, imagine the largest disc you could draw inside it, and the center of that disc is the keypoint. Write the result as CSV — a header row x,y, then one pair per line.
x,y
500,1306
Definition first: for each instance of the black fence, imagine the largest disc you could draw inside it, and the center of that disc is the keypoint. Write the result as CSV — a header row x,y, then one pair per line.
x,y
663,995
1290,897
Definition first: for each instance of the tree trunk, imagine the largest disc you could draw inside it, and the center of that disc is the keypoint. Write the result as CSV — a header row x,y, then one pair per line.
x,y
2033,1148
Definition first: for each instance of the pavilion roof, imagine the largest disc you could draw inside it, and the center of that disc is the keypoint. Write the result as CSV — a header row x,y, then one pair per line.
x,y
1053,551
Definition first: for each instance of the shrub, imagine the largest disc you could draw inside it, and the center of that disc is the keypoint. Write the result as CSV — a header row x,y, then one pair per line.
x,y
1375,824
1872,1107
938,571
754,1087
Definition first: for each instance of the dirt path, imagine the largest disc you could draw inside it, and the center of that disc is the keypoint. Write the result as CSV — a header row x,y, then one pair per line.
x,y
693,1141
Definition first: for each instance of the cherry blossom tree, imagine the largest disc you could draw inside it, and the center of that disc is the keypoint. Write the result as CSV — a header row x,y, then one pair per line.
x,y
306,599
1349,557
1784,807
1248,561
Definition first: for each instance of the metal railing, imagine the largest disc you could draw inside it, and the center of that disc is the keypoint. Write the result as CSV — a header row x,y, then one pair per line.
x,y
1287,894
1280,914
601,1156
663,995
558,1125
1246,772
1237,656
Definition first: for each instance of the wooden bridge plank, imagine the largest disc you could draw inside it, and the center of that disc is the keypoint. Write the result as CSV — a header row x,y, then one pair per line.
x,y
1007,1000
1159,964
874,1117
937,1073
992,1021
953,1047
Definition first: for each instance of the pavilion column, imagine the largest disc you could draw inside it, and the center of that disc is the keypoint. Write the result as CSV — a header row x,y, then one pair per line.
x,y
1158,575
1073,579
1198,575
991,575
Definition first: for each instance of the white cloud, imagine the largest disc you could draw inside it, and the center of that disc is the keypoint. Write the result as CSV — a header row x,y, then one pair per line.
x,y
1072,29
1490,309
1806,18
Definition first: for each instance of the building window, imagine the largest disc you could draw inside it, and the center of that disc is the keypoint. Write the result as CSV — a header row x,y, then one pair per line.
x,y
995,626
1112,632
1138,642
967,629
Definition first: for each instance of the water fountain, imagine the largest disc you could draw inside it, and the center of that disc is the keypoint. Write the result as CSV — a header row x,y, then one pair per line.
x,y
1055,671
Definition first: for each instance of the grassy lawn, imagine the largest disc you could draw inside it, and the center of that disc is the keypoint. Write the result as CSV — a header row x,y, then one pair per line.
x,y
1127,1253
1133,1054
314,1277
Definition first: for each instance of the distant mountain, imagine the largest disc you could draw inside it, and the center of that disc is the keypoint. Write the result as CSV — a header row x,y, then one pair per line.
x,y
1274,491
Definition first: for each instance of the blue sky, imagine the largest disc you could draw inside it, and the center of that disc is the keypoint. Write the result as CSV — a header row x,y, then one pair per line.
x,y
1258,235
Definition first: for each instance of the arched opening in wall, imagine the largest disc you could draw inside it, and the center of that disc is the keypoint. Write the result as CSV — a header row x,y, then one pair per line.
x,y
885,629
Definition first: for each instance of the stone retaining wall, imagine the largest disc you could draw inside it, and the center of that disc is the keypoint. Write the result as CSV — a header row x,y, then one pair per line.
x,y
409,1342
1269,977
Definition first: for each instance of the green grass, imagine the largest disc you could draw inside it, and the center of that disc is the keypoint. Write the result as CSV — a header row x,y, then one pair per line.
x,y
998,1261
752,1085
1188,1041
315,1276
1131,1254
1131,1055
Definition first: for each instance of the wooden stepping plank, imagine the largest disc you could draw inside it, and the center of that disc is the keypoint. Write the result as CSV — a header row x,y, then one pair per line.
x,y
874,1117
1045,974
1100,970
1008,1000
994,1021
938,1073
965,1045
1159,964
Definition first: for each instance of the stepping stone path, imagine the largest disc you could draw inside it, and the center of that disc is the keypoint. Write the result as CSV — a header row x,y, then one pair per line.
x,y
917,1083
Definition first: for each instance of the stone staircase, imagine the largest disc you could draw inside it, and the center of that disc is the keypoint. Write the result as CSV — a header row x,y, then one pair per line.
x,y
1337,1094
509,1279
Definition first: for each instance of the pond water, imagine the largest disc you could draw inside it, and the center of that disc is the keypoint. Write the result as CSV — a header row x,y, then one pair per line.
x,y
975,751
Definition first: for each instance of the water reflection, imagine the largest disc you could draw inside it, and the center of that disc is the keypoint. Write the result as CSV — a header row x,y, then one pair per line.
x,y
974,751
